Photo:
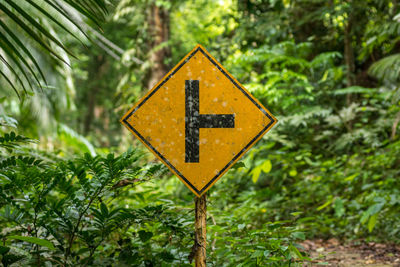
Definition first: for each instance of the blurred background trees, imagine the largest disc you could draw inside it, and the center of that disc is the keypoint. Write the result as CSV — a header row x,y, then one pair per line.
x,y
329,71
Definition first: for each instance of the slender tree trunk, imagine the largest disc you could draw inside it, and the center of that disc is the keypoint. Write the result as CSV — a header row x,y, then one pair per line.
x,y
394,127
349,55
159,29
38,261
92,94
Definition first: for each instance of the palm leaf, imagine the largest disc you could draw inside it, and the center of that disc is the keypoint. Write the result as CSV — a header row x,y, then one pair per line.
x,y
11,51
7,47
25,50
29,31
10,83
49,16
23,14
37,25
12,69
386,69
81,8
66,15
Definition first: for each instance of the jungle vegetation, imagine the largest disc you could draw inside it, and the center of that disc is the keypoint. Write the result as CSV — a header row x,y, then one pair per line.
x,y
77,189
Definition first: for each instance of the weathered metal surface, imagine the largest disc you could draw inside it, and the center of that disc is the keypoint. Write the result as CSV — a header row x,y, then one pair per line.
x,y
198,120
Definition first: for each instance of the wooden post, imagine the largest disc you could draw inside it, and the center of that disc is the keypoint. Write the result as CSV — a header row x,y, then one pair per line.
x,y
200,231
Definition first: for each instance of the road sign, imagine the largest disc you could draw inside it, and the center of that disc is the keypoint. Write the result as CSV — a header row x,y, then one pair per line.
x,y
198,120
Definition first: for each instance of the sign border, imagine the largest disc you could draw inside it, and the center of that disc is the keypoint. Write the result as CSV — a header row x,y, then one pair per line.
x,y
169,75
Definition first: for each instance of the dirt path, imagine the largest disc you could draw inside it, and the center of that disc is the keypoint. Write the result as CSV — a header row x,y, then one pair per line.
x,y
356,254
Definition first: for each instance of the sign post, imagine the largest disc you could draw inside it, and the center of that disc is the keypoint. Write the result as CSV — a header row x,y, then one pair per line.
x,y
199,121
200,240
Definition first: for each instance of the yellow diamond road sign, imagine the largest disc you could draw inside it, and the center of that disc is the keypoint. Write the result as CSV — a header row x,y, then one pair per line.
x,y
198,120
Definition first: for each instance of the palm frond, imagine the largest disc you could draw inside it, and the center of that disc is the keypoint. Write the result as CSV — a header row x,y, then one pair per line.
x,y
387,69
11,67
21,46
10,83
34,20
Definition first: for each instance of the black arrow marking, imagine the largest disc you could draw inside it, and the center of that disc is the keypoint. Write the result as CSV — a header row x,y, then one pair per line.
x,y
194,121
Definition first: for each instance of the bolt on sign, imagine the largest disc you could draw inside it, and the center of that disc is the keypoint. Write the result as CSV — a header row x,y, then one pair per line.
x,y
198,120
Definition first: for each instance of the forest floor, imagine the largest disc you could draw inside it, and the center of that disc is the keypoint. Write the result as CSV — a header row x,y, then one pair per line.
x,y
355,254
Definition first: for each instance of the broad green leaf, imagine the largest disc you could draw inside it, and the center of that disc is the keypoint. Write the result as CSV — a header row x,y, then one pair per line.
x,y
351,177
33,240
326,204
372,210
144,235
267,253
257,254
293,172
296,213
104,209
339,207
376,208
9,259
4,250
238,165
298,235
372,222
353,90
266,166
255,174
167,256
364,217
294,250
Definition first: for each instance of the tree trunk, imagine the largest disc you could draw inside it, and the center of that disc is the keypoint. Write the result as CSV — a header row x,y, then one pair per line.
x,y
92,93
159,29
349,56
394,127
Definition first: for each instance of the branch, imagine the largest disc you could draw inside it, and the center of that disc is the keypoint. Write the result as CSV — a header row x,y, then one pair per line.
x,y
394,127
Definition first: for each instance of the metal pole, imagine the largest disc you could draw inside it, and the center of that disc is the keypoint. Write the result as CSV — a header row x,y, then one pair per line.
x,y
200,230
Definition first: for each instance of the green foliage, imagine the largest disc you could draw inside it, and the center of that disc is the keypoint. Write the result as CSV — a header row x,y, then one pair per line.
x,y
63,210
386,69
17,58
33,240
79,212
270,244
327,69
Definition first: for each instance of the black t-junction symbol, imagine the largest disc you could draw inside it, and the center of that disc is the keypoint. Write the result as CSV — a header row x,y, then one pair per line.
x,y
194,121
